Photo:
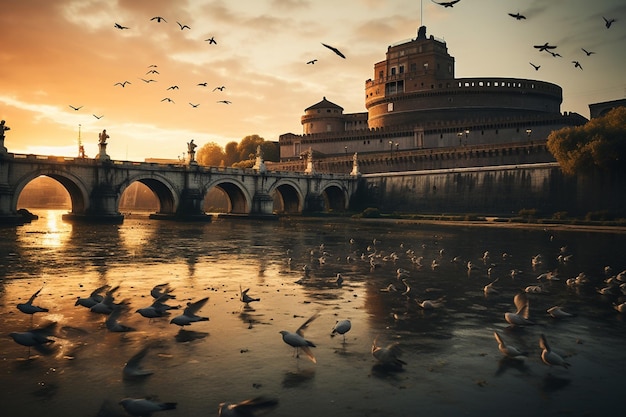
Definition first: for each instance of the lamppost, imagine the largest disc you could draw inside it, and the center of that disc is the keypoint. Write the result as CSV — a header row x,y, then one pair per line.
x,y
391,148
528,132
397,148
460,136
466,134
345,148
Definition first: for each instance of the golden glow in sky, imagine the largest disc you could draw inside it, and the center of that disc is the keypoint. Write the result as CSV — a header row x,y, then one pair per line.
x,y
62,53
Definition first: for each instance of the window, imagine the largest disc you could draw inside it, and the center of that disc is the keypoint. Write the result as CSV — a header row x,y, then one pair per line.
x,y
329,128
380,74
390,107
393,71
401,69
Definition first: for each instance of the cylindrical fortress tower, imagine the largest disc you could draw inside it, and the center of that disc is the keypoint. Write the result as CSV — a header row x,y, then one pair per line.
x,y
323,117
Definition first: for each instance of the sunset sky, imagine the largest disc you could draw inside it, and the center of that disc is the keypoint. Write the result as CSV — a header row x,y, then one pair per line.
x,y
62,53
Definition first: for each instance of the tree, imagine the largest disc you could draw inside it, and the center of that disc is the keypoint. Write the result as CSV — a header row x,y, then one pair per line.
x,y
231,154
247,147
271,151
210,154
599,144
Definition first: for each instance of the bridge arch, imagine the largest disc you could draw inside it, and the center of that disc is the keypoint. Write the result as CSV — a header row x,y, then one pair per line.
x,y
163,190
79,194
335,196
287,197
239,199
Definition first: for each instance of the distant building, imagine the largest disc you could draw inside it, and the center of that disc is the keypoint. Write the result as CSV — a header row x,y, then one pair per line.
x,y
600,109
414,101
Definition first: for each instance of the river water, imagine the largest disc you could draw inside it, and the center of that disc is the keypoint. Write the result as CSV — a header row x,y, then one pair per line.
x,y
453,366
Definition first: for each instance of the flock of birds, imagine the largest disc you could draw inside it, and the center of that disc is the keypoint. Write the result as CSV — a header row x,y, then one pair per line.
x,y
545,47
102,300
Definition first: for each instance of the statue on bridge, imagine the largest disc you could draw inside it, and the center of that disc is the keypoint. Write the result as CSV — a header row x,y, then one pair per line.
x,y
259,163
191,151
3,128
102,145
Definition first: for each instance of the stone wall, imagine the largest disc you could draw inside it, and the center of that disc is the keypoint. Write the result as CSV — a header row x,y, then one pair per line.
x,y
495,190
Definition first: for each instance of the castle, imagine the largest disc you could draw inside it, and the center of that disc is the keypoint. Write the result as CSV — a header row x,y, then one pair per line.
x,y
414,102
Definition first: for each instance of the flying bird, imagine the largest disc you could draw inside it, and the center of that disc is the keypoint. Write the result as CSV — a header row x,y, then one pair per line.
x,y
211,40
544,47
388,355
122,84
555,54
608,22
520,317
587,52
202,84
76,108
142,407
245,298
118,26
536,67
221,88
158,19
148,81
113,325
225,101
194,105
447,3
246,408
94,297
36,338
29,308
508,350
296,339
189,314
133,369
182,27
168,99
517,16
98,117
313,61
153,71
577,64
335,50
172,87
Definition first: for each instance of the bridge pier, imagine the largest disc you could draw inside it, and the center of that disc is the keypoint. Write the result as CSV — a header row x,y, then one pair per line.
x,y
262,205
102,208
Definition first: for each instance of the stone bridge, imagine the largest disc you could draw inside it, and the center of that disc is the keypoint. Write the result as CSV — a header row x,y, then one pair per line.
x,y
96,185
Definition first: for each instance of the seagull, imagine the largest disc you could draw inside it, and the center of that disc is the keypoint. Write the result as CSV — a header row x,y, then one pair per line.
x,y
335,50
76,108
98,117
245,298
558,313
447,3
536,67
189,314
122,84
182,27
29,308
577,64
246,408
296,339
517,16
202,84
389,355
158,19
168,99
430,304
148,81
133,369
194,105
587,52
313,61
548,356
211,40
224,101
36,338
152,71
544,47
508,351
490,288
341,327
115,326
221,88
118,26
94,298
105,306
158,308
520,317
172,87
608,22
161,290
142,407
555,54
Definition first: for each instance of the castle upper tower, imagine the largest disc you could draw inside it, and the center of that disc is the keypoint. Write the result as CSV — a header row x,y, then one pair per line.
x,y
323,117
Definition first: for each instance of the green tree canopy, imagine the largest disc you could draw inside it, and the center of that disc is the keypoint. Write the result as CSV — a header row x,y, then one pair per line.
x,y
231,153
238,155
599,144
247,147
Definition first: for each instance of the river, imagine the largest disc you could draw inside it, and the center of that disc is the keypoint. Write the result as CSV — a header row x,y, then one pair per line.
x,y
453,366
